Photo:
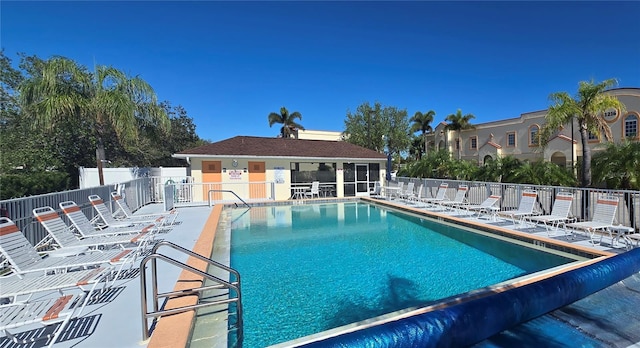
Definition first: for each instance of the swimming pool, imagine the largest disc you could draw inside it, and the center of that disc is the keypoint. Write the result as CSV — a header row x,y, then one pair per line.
x,y
310,268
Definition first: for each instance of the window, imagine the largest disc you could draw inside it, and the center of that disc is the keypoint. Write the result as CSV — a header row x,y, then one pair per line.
x,y
631,126
534,135
458,144
511,139
593,138
473,143
302,172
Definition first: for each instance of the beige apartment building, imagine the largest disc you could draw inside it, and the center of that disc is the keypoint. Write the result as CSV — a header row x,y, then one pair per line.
x,y
517,137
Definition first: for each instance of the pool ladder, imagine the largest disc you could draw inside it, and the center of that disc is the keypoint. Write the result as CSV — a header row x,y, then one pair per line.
x,y
232,297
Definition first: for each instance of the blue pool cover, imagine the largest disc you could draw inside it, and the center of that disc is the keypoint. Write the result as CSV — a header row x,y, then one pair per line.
x,y
474,321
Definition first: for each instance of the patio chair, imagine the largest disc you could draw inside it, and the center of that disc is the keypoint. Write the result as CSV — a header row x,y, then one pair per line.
x,y
63,237
376,191
124,211
51,311
441,195
525,208
83,226
604,215
458,200
559,213
107,218
488,206
24,258
314,191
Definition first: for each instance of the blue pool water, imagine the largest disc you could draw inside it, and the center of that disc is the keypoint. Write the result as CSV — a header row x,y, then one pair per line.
x,y
310,268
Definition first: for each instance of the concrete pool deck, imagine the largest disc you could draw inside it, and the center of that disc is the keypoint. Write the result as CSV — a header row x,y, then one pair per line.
x,y
116,321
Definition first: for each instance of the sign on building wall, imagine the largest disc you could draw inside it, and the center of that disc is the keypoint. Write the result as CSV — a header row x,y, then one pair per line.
x,y
611,115
279,175
235,174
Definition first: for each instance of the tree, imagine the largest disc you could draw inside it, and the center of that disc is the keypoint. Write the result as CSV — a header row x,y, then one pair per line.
x,y
542,173
367,127
397,136
422,123
416,147
435,164
587,108
288,121
459,122
103,100
618,165
377,128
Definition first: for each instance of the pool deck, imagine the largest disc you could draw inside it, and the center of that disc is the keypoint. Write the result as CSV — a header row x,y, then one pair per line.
x,y
116,320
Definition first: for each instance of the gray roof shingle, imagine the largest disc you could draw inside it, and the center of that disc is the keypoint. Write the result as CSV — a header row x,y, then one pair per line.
x,y
281,147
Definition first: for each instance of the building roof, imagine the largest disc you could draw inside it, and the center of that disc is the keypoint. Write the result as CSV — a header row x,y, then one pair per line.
x,y
245,146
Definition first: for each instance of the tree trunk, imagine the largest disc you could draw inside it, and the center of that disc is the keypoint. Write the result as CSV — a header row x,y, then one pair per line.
x,y
424,134
586,156
99,160
459,145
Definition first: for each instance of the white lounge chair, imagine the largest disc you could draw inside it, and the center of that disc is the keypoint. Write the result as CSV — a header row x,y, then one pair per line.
x,y
63,237
50,311
107,218
83,226
458,200
21,288
559,212
408,191
124,211
24,258
604,215
441,195
526,207
416,195
488,206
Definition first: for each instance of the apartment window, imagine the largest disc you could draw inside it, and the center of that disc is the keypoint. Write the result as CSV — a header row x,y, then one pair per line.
x,y
593,137
473,143
511,139
534,135
631,126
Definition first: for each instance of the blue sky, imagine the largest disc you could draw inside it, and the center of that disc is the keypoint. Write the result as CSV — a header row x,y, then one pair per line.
x,y
230,64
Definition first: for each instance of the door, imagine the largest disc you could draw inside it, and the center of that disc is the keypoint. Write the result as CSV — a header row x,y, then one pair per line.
x,y
211,179
257,180
362,180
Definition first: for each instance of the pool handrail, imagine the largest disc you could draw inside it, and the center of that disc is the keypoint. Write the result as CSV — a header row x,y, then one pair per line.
x,y
220,284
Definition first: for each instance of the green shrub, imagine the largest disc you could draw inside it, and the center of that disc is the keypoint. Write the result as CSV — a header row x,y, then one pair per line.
x,y
29,184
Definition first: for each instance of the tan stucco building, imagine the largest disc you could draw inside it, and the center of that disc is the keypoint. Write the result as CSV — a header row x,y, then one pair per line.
x,y
517,136
272,168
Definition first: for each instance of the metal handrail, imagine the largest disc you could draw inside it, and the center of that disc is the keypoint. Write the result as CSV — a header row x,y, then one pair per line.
x,y
220,284
229,191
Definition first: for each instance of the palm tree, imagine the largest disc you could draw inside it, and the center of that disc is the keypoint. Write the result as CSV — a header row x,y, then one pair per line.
x,y
422,123
289,125
415,149
618,165
105,101
459,122
587,108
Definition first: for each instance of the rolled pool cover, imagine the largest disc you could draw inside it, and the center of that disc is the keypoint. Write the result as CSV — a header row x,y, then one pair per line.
x,y
471,322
